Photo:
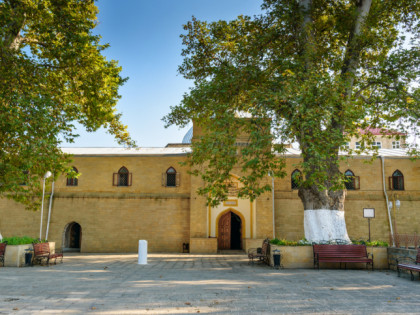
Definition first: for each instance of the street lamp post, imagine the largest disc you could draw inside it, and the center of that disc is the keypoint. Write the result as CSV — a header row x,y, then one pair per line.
x,y
47,174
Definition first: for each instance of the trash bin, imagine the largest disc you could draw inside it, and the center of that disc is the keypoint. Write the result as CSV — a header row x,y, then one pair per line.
x,y
276,259
28,257
185,247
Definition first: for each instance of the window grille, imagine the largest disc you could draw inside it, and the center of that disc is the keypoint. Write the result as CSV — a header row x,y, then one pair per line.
x,y
122,178
296,179
396,181
170,178
352,182
358,145
395,144
73,181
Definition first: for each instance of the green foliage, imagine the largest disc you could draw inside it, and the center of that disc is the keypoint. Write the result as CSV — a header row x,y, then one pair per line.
x,y
371,243
315,75
283,242
21,240
52,74
304,242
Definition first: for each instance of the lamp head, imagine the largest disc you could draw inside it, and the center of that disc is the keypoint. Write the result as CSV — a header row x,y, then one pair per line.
x,y
390,205
398,204
47,174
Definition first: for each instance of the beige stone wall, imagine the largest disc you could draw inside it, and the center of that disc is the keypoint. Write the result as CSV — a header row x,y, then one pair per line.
x,y
113,219
385,141
108,224
203,245
97,174
289,209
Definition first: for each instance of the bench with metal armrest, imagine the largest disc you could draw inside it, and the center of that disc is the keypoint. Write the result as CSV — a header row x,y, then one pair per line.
x,y
42,252
412,265
260,254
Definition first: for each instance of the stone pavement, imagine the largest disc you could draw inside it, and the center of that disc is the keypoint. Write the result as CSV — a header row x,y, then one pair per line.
x,y
209,284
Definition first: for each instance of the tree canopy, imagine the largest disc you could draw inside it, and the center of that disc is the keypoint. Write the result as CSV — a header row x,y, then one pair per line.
x,y
311,71
52,74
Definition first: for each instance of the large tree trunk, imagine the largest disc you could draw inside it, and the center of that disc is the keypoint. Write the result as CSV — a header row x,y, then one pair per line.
x,y
324,211
324,214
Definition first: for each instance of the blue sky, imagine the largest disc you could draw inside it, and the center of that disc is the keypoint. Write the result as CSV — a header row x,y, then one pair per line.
x,y
144,38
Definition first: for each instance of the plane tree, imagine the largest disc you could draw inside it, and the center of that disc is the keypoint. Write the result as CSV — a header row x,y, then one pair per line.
x,y
52,74
313,72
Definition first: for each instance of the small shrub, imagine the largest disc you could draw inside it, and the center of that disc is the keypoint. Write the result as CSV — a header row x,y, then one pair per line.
x,y
371,243
284,242
21,240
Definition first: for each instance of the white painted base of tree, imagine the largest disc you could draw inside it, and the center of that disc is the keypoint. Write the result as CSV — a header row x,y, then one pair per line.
x,y
325,225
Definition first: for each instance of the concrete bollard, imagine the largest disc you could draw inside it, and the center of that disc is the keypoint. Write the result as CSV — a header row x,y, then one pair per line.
x,y
142,252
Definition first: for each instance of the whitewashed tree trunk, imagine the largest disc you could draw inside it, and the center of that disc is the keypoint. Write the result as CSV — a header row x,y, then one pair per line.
x,y
324,215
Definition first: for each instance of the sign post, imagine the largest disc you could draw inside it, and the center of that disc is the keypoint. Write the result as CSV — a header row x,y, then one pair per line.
x,y
369,213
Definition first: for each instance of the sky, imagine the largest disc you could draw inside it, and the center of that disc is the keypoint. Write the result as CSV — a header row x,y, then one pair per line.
x,y
144,37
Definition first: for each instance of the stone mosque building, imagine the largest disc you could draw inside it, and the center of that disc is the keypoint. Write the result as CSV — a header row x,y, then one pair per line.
x,y
126,195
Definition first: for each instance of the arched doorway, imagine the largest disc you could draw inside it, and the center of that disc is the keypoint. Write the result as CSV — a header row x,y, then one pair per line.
x,y
72,237
230,231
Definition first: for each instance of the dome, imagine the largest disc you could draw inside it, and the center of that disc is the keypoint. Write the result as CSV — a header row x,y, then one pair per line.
x,y
188,136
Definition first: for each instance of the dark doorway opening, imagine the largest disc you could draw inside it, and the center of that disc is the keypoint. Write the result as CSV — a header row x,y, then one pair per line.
x,y
73,237
236,232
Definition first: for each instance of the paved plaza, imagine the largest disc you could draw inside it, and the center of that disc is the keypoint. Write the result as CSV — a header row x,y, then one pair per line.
x,y
206,284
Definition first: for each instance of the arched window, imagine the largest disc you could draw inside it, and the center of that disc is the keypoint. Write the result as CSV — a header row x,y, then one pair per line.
x,y
122,178
296,179
72,181
352,182
170,178
396,181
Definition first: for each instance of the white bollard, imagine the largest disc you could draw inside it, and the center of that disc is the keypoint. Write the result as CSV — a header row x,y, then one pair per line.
x,y
142,252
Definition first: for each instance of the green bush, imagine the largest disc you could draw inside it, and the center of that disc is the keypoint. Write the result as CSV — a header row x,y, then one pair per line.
x,y
371,243
304,242
284,242
21,240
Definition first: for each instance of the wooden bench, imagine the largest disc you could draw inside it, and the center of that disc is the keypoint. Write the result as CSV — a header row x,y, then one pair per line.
x,y
341,254
412,267
42,252
2,251
260,253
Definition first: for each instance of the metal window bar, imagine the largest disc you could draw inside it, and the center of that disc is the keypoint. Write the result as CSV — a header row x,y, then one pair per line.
x,y
122,179
296,178
396,182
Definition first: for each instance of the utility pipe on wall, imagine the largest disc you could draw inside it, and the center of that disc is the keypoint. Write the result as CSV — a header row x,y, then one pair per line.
x,y
49,210
272,197
387,201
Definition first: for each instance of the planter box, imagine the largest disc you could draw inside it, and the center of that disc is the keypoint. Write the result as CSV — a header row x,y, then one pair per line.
x,y
302,257
15,254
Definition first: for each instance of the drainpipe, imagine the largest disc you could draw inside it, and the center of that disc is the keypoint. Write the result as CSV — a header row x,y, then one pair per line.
x,y
387,201
272,197
49,210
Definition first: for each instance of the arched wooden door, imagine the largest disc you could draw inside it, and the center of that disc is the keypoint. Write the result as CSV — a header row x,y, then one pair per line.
x,y
230,231
224,230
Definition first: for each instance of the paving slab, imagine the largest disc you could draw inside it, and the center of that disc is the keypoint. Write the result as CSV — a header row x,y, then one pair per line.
x,y
206,284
